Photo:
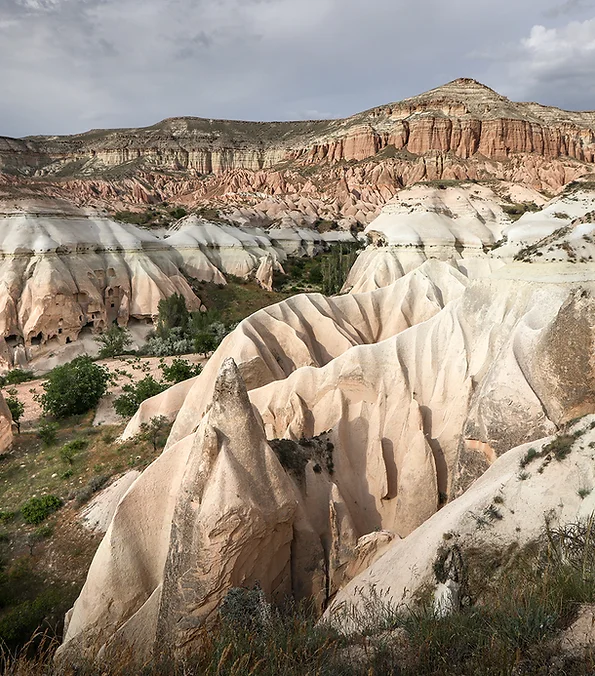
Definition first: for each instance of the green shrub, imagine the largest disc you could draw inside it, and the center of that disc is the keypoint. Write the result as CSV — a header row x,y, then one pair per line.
x,y
127,404
16,407
44,612
155,431
36,510
16,376
74,388
172,313
7,516
114,341
178,212
47,432
180,370
70,449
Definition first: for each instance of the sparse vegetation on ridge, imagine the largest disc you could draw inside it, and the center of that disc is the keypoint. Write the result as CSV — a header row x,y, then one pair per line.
x,y
516,603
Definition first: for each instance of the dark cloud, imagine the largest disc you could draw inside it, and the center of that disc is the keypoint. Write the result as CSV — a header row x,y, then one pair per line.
x,y
71,65
569,7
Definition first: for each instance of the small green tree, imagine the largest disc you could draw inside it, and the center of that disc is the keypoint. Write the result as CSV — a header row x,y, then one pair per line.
x,y
205,343
16,407
180,370
37,509
114,341
73,388
172,312
154,431
127,404
47,432
178,212
69,450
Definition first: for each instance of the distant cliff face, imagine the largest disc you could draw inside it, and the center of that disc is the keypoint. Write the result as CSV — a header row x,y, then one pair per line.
x,y
460,130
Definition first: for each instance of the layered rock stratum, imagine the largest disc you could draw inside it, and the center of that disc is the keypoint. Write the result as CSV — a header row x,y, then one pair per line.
x,y
304,172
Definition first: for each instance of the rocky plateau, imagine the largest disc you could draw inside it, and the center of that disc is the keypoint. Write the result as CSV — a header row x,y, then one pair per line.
x,y
342,171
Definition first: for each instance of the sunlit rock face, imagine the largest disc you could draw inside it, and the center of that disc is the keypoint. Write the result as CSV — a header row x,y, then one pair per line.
x,y
302,173
67,273
324,431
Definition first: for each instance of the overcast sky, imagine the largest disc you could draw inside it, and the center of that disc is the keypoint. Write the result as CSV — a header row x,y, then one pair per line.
x,y
67,66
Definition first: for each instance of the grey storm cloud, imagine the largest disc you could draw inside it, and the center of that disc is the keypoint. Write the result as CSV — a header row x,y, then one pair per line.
x,y
70,65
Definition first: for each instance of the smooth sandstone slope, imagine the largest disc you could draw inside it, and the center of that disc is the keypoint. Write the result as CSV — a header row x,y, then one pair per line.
x,y
67,273
372,443
546,492
217,511
306,330
459,223
64,271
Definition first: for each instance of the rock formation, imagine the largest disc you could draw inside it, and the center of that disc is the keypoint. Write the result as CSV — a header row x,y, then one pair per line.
x,y
221,512
307,330
549,488
303,172
368,413
68,272
460,223
5,425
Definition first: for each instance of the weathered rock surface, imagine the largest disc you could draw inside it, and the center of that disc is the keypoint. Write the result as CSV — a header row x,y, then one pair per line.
x,y
64,270
5,425
67,272
549,490
218,511
347,424
306,330
459,223
302,172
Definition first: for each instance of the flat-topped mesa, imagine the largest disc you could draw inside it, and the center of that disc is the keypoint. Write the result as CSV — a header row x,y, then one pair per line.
x,y
463,117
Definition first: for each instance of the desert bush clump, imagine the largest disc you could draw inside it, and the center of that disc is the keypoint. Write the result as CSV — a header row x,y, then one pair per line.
x,y
73,388
179,370
94,484
47,432
37,509
16,376
69,450
114,341
127,403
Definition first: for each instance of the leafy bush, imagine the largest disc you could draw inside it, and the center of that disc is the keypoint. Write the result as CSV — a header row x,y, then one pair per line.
x,y
180,370
74,388
182,332
21,621
36,510
16,376
114,341
47,432
155,431
127,404
174,343
173,313
16,407
7,516
178,212
70,449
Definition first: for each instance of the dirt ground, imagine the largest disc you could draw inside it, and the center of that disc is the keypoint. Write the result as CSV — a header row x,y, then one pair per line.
x,y
124,370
